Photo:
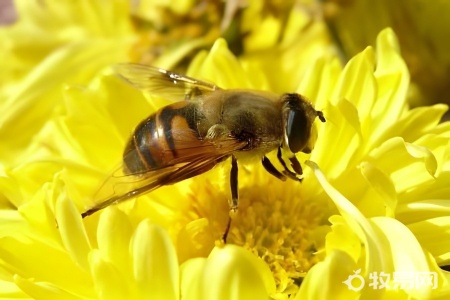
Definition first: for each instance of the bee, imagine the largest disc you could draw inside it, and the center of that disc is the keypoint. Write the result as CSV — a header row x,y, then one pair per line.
x,y
203,126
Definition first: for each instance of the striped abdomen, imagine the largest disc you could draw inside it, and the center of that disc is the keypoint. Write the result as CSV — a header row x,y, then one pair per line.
x,y
163,138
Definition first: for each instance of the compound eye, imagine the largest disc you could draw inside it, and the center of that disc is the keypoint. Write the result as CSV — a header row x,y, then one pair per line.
x,y
297,130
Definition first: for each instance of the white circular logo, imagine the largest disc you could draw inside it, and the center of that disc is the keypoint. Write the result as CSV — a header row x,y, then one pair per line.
x,y
355,282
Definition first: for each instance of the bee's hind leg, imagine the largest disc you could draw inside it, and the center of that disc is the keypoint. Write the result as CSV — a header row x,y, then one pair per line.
x,y
234,195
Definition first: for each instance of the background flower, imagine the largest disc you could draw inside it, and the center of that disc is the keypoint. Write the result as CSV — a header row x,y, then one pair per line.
x,y
421,28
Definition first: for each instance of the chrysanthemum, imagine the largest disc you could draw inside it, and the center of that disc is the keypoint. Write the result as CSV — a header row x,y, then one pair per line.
x,y
386,171
420,27
54,43
374,199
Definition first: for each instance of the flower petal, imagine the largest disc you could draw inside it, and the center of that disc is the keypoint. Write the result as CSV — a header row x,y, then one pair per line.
x,y
393,81
191,278
154,262
342,238
416,123
113,236
407,254
357,83
234,273
432,234
382,185
325,279
109,282
220,66
410,159
361,226
24,114
43,290
73,233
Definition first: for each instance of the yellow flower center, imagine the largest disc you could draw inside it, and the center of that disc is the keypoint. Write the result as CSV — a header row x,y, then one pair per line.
x,y
277,224
275,221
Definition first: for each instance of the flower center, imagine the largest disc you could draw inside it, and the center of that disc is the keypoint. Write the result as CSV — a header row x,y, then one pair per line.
x,y
277,223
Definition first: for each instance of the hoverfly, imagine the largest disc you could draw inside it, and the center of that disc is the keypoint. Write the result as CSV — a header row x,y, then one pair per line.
x,y
205,126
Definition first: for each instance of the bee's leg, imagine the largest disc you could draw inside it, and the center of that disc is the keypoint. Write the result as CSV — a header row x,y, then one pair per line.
x,y
234,184
227,229
234,195
295,165
194,92
271,169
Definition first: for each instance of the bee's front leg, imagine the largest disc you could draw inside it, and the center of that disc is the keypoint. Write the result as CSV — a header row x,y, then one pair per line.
x,y
295,165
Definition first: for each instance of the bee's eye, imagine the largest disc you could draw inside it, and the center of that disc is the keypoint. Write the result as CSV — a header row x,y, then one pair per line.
x,y
297,130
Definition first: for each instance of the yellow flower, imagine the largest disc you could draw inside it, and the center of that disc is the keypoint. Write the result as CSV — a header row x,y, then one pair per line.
x,y
384,167
373,203
53,43
70,42
421,27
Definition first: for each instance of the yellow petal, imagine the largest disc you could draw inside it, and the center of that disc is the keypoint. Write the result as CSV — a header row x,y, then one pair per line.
x,y
73,233
26,256
191,278
220,66
382,185
43,290
357,83
196,239
359,224
325,279
416,123
230,272
342,238
113,236
410,159
266,36
109,282
22,110
432,233
393,81
324,72
11,291
407,254
154,262
234,273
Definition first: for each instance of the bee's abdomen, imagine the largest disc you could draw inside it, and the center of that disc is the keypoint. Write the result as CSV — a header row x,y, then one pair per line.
x,y
142,151
156,143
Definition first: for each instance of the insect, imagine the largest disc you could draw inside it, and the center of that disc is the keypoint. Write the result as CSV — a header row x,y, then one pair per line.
x,y
204,126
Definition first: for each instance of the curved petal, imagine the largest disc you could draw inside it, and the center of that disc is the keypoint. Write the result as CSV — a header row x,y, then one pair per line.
x,y
154,262
43,290
407,255
230,272
73,233
113,236
325,279
361,226
108,281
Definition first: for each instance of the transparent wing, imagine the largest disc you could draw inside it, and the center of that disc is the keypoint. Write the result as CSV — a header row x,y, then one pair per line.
x,y
163,83
198,159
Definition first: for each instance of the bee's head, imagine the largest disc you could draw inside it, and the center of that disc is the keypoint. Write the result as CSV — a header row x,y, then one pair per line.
x,y
298,118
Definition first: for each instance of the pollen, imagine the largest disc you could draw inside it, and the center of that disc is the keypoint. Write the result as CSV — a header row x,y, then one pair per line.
x,y
277,223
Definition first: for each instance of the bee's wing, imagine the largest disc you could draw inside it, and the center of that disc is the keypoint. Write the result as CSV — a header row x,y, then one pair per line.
x,y
201,158
163,83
